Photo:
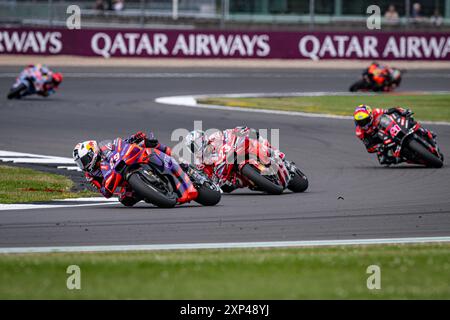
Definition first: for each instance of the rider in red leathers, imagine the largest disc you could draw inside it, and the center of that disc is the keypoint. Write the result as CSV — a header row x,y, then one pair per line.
x,y
88,156
210,153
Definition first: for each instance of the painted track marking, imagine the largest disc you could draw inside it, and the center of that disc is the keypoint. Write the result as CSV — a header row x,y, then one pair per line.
x,y
231,245
191,101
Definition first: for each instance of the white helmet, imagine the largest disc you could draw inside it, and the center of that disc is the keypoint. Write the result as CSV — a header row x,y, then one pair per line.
x,y
86,154
195,141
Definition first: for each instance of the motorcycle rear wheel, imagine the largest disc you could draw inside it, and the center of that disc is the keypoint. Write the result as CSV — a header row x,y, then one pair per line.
x,y
430,159
260,181
149,192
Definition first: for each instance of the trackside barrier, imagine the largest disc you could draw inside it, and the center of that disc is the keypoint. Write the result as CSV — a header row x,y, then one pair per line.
x,y
225,44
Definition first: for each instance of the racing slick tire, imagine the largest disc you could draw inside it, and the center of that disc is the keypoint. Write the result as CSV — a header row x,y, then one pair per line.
x,y
16,93
260,181
429,159
299,182
144,188
208,195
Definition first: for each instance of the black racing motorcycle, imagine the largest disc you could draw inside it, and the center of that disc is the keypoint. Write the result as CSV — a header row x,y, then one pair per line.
x,y
406,140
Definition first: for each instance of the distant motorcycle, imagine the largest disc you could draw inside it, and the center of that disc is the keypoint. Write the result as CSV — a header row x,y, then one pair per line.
x,y
405,140
259,167
24,85
152,175
35,79
366,83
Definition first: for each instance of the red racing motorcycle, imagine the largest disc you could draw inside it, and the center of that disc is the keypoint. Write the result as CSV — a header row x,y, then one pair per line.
x,y
406,140
257,166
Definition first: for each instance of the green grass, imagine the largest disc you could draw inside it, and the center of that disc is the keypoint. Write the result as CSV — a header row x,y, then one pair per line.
x,y
21,185
434,107
407,272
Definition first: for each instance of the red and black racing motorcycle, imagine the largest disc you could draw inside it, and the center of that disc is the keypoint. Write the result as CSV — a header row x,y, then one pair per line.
x,y
408,142
366,83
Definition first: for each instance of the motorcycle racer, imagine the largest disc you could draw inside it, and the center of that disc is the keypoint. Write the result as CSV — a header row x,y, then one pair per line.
x,y
380,75
88,156
366,121
210,153
45,81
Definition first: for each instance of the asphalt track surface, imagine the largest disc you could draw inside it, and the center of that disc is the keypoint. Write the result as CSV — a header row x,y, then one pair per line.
x,y
350,195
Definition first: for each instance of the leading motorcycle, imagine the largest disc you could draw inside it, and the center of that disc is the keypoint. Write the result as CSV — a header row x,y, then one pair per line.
x,y
366,83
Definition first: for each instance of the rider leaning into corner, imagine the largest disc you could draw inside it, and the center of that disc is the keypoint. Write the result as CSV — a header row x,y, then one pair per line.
x,y
88,155
210,153
45,81
380,75
366,121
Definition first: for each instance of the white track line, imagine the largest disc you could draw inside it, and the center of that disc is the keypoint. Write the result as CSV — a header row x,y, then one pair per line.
x,y
191,101
20,157
235,245
87,203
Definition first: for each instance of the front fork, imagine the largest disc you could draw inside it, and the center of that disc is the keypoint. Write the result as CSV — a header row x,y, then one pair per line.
x,y
291,168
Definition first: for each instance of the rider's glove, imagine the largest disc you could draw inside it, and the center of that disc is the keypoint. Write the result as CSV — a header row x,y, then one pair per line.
x,y
92,181
138,137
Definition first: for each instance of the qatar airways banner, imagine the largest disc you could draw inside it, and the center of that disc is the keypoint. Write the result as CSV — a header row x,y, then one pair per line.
x,y
225,44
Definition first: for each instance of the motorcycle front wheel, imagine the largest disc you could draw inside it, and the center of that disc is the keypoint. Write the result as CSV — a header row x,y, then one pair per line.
x,y
429,159
208,195
299,182
153,189
359,85
16,93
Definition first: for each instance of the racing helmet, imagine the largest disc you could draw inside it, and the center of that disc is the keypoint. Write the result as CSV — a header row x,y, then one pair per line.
x,y
363,116
57,78
195,141
86,154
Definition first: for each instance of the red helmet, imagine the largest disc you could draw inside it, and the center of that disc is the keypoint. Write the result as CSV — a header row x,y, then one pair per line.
x,y
57,78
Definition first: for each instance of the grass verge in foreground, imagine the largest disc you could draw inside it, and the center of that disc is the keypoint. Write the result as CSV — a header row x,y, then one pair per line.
x,y
21,185
432,107
407,272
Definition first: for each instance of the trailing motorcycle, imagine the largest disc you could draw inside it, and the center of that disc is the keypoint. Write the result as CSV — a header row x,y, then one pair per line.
x,y
257,166
406,140
155,176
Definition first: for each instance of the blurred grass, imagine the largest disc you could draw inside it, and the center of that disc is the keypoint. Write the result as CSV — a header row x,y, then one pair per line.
x,y
433,107
407,272
21,185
